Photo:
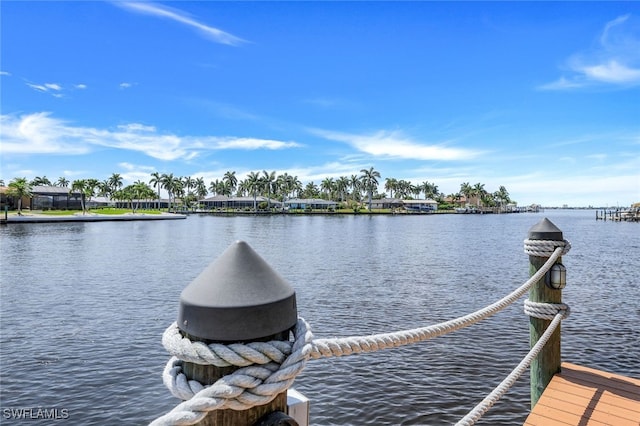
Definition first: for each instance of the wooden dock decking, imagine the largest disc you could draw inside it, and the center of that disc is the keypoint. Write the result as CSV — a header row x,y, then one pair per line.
x,y
582,396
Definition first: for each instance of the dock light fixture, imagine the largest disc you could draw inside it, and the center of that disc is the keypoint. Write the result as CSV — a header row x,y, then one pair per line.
x,y
556,277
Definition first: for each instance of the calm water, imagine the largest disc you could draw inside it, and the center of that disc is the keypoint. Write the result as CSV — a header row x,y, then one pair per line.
x,y
84,307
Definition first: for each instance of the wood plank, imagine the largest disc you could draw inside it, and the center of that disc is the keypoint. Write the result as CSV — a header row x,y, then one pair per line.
x,y
536,419
583,396
561,391
601,378
603,402
579,417
581,388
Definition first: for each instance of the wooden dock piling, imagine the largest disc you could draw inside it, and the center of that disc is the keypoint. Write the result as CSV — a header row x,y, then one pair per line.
x,y
237,299
547,363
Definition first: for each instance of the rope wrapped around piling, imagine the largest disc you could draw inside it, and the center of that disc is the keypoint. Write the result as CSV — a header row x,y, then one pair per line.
x,y
269,368
545,248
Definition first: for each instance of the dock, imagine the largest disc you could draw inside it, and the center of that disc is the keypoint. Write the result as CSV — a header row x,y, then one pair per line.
x,y
582,396
619,215
40,218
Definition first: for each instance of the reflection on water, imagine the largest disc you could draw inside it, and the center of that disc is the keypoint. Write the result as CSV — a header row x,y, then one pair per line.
x,y
84,307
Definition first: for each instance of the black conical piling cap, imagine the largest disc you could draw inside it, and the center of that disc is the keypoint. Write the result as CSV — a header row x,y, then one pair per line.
x,y
238,297
545,230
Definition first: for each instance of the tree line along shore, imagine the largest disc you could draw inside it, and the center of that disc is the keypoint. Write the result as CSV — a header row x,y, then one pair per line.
x,y
185,193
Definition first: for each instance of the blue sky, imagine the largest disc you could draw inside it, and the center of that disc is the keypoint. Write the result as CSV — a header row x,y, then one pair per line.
x,y
542,97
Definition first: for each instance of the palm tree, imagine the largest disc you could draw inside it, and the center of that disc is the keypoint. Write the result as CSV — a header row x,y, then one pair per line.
x,y
220,187
156,181
430,190
231,180
132,192
328,187
503,195
82,186
355,184
167,182
177,189
115,182
370,182
201,188
415,190
310,190
104,189
296,186
342,183
19,187
253,184
214,187
268,181
479,192
455,197
41,181
63,182
189,183
92,185
391,185
466,190
138,191
403,189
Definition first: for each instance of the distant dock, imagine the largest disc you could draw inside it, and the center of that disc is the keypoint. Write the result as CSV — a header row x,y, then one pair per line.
x,y
41,218
619,215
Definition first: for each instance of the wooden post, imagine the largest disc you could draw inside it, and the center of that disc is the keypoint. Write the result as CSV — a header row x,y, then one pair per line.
x,y
236,299
547,363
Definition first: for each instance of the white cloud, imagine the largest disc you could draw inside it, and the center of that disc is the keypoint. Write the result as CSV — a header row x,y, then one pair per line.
x,y
251,143
135,167
40,133
54,89
563,83
136,127
394,144
125,85
5,73
611,72
176,15
46,87
614,61
134,172
71,173
37,134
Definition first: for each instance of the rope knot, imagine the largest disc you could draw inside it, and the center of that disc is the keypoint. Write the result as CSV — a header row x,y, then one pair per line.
x,y
545,248
266,370
546,311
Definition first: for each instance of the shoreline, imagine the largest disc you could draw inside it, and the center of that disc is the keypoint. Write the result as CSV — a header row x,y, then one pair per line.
x,y
96,217
92,217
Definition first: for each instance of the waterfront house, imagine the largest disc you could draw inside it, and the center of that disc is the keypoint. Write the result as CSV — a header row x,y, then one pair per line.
x,y
310,204
220,202
386,203
427,205
43,198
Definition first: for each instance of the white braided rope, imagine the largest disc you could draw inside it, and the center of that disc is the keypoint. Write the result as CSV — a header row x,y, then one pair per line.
x,y
240,355
547,311
545,248
488,402
359,344
244,388
269,368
